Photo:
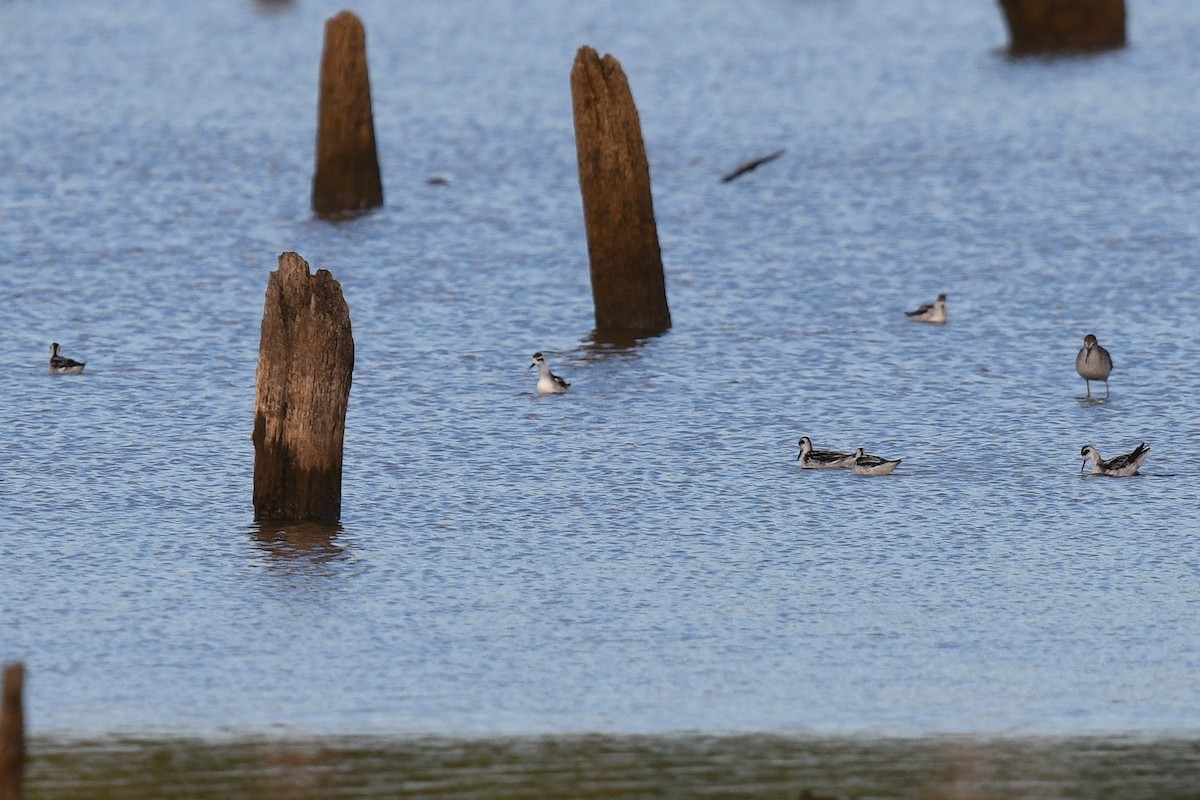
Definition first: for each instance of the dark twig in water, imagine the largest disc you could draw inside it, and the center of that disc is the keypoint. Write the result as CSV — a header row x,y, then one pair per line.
x,y
750,165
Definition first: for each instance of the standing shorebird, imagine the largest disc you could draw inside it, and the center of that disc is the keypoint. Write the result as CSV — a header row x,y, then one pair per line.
x,y
548,382
934,312
61,365
867,464
822,459
1093,363
1116,467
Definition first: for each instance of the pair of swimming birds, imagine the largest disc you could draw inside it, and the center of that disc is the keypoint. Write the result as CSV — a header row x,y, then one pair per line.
x,y
860,461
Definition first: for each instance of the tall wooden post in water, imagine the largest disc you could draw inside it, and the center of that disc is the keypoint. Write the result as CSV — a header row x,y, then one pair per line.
x,y
1064,26
347,170
12,733
305,364
628,287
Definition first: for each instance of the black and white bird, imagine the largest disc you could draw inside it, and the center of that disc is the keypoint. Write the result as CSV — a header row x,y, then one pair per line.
x,y
867,464
548,382
1117,467
1093,363
822,459
934,312
61,365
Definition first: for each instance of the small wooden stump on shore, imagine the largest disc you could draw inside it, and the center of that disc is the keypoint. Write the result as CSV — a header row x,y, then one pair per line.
x,y
1046,27
12,733
347,171
628,287
305,365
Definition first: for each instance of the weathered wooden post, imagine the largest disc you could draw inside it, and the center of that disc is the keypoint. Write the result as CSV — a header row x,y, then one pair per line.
x,y
12,733
347,171
1041,27
628,288
305,364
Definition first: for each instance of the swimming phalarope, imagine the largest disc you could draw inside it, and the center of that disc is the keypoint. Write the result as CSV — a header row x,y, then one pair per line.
x,y
822,459
1118,467
548,382
61,365
1093,363
866,464
934,312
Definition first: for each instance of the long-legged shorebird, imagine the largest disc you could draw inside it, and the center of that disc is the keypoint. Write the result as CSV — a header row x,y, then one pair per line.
x,y
1093,363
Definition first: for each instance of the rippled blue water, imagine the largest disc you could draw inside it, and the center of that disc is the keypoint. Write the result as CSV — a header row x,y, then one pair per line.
x,y
642,554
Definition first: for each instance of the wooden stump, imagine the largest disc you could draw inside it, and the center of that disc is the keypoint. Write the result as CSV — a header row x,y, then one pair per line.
x,y
628,287
1041,27
12,734
305,364
347,171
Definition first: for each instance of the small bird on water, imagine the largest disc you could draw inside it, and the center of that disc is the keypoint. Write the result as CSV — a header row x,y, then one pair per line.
x,y
867,464
934,312
548,382
1093,363
61,365
822,459
1116,467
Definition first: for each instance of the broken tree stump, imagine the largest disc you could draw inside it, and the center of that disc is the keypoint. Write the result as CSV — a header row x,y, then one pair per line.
x,y
347,171
1046,27
628,288
12,733
305,365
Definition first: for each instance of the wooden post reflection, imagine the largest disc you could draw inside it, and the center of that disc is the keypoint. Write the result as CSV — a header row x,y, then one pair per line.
x,y
12,733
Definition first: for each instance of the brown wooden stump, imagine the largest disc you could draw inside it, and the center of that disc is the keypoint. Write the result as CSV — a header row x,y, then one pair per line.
x,y
628,287
305,364
347,172
12,733
1040,27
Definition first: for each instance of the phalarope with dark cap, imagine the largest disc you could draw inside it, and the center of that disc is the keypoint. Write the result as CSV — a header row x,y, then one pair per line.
x,y
934,312
867,464
1093,363
822,459
61,365
548,382
1117,467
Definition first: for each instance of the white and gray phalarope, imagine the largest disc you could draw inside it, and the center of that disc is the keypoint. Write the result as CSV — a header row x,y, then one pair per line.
x,y
867,464
61,365
548,382
1117,467
1093,363
822,459
934,312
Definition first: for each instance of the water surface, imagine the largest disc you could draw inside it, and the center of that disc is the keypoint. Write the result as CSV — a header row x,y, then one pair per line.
x,y
642,555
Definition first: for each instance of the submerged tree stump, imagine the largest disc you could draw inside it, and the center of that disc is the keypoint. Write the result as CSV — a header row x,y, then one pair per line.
x,y
347,171
305,364
1042,27
628,288
12,733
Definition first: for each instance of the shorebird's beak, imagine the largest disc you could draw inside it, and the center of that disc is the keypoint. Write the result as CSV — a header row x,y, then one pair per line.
x,y
799,454
1082,464
534,364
